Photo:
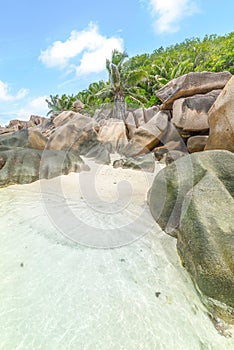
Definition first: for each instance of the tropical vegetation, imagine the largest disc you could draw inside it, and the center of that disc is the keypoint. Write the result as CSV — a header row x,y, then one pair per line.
x,y
134,80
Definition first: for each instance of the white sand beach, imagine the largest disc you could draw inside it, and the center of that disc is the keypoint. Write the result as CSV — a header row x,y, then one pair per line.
x,y
85,267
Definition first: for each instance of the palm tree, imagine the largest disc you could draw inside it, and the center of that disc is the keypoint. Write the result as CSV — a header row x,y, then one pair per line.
x,y
122,83
59,104
169,70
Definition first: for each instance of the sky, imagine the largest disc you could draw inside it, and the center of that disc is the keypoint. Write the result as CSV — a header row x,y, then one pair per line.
x,y
51,47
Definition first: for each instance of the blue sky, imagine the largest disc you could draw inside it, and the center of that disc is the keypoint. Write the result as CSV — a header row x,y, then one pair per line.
x,y
54,47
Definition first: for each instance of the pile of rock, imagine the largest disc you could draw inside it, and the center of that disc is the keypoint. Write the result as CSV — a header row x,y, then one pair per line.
x,y
189,98
15,124
184,123
24,158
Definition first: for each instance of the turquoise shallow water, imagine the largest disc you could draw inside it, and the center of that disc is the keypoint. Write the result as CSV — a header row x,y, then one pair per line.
x,y
59,295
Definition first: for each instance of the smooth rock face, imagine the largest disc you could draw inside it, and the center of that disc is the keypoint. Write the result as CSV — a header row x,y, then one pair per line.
x,y
148,136
149,113
100,153
21,166
130,124
78,134
23,138
191,113
191,84
113,131
221,120
139,116
206,241
172,135
193,199
197,143
143,115
63,117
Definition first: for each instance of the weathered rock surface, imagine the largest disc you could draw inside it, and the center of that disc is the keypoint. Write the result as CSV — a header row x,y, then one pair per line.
x,y
148,136
3,130
25,165
191,113
193,198
143,115
130,125
36,120
102,114
144,163
15,124
77,134
23,138
113,131
172,135
221,120
78,106
191,84
171,146
197,143
63,118
100,153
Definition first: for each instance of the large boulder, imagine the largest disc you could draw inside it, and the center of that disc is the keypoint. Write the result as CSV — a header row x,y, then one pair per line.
x,y
221,120
78,106
4,130
23,138
102,114
77,134
21,166
15,125
143,115
113,131
63,118
197,143
193,199
36,120
139,116
130,125
191,84
148,136
191,113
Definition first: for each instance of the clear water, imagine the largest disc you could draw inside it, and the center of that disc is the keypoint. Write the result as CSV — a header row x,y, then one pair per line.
x,y
59,295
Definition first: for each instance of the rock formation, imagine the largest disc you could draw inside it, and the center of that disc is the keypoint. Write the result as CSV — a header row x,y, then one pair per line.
x,y
221,120
193,200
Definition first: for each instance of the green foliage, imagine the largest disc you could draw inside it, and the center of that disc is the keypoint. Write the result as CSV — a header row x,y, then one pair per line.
x,y
136,80
58,104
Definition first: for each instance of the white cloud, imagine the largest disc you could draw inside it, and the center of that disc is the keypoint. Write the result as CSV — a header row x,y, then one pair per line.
x,y
169,13
89,46
37,106
5,95
95,61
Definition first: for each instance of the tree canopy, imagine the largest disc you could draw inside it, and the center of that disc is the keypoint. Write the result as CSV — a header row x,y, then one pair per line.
x,y
136,79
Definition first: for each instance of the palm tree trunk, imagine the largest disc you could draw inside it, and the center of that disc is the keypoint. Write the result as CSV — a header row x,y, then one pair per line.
x,y
119,108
